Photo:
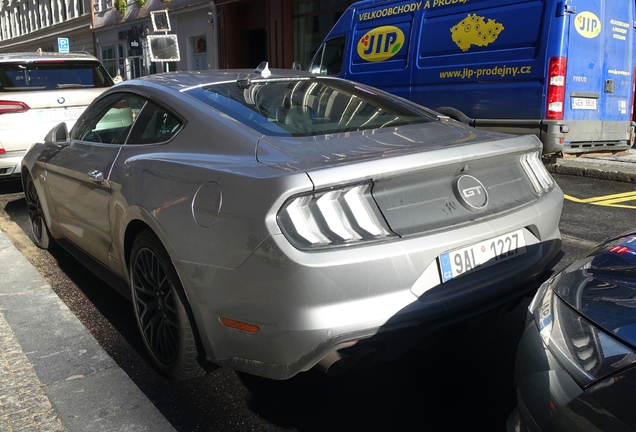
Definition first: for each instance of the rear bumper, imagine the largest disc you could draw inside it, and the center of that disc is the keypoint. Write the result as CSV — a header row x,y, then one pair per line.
x,y
10,164
389,296
568,136
586,136
16,142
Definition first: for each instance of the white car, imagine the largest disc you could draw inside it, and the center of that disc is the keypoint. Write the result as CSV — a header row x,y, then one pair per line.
x,y
38,90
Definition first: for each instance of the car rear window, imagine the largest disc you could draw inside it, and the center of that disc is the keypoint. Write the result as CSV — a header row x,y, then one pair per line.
x,y
52,75
306,107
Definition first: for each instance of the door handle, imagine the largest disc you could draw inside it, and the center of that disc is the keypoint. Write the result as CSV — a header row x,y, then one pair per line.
x,y
96,176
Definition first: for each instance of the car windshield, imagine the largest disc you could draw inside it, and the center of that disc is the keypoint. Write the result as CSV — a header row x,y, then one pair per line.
x,y
52,75
307,107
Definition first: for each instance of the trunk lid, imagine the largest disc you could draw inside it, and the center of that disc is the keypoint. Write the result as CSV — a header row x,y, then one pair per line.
x,y
428,167
296,154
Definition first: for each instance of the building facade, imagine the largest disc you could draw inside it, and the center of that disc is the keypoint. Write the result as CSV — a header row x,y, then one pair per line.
x,y
209,34
26,25
122,39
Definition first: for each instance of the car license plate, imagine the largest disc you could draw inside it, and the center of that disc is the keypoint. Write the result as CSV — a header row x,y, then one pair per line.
x,y
482,255
583,103
545,317
51,115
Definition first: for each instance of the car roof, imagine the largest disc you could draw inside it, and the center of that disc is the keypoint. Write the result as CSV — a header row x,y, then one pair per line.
x,y
28,57
187,79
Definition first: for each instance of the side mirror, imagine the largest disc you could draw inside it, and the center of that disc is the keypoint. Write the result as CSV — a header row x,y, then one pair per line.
x,y
296,66
57,135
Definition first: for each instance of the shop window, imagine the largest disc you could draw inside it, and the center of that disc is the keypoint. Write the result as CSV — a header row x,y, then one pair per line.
x,y
199,53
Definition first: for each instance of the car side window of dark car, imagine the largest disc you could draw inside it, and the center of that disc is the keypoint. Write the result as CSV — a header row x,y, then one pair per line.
x,y
154,124
109,120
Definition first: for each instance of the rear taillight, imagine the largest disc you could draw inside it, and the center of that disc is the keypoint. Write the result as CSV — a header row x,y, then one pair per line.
x,y
2,150
336,217
556,88
538,175
7,107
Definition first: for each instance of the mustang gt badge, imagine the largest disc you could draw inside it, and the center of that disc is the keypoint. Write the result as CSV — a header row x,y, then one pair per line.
x,y
471,193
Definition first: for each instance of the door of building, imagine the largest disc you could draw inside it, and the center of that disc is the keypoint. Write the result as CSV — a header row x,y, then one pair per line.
x,y
243,34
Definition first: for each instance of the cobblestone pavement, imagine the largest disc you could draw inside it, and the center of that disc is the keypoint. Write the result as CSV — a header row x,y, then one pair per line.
x,y
24,406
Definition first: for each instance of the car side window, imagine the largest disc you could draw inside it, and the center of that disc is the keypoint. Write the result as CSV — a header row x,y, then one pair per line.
x,y
329,61
154,125
109,120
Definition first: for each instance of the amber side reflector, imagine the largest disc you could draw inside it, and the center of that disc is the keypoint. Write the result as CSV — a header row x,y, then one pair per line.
x,y
239,325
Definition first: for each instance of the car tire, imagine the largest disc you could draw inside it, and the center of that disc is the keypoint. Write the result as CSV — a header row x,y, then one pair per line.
x,y
160,308
41,235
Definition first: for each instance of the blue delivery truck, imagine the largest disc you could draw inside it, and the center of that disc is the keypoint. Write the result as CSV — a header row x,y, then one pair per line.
x,y
560,69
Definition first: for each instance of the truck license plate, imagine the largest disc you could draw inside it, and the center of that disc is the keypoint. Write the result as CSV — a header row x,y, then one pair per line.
x,y
481,255
583,103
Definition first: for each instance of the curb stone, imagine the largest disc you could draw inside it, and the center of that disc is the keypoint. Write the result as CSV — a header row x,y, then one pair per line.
x,y
54,376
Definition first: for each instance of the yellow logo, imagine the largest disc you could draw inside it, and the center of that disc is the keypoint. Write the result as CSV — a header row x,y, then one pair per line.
x,y
380,43
473,30
587,24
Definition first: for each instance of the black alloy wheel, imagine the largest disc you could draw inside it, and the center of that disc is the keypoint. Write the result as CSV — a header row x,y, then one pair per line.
x,y
41,236
161,315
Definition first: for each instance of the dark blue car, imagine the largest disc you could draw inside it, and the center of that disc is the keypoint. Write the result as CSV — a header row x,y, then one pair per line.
x,y
576,362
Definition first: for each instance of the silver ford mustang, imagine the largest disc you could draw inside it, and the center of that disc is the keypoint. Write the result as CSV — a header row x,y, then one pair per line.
x,y
276,221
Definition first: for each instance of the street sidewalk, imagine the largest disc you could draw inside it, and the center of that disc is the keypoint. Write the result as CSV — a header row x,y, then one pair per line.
x,y
54,376
620,167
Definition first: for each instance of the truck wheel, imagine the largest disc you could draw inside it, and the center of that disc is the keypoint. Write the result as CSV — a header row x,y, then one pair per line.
x,y
160,311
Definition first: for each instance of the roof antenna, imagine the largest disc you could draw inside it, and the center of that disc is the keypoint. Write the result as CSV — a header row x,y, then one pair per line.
x,y
263,69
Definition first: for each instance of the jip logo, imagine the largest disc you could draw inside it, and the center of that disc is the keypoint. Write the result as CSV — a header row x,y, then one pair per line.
x,y
587,24
380,43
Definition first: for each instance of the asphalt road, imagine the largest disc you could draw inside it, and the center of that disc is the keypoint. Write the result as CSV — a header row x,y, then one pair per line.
x,y
462,383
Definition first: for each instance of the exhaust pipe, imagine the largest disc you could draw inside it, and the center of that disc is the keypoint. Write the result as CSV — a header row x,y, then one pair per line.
x,y
365,356
358,356
335,363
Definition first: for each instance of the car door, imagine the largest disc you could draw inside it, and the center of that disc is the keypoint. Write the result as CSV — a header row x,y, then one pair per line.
x,y
78,176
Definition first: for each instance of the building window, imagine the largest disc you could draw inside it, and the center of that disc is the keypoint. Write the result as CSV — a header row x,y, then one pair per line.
x,y
312,20
199,53
108,60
